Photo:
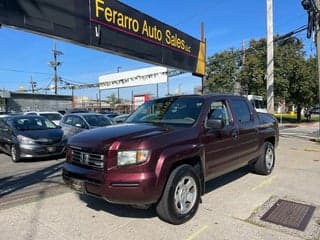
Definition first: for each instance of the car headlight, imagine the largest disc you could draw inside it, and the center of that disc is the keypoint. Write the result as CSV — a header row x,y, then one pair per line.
x,y
25,140
131,157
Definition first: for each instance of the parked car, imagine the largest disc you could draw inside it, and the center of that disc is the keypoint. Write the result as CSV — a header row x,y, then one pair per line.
x,y
168,149
76,110
62,112
2,115
111,115
120,118
32,136
52,116
315,110
74,123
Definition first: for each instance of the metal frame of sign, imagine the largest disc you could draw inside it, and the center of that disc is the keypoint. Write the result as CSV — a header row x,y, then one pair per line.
x,y
107,25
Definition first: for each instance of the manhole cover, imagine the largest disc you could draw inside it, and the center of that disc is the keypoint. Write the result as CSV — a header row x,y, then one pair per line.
x,y
289,214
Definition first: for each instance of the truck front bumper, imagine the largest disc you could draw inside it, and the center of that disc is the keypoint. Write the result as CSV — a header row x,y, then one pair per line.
x,y
120,188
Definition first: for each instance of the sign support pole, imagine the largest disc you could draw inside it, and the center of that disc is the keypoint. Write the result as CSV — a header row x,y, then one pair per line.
x,y
203,40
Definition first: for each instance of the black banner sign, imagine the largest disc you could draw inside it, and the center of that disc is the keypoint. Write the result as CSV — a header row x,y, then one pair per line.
x,y
107,25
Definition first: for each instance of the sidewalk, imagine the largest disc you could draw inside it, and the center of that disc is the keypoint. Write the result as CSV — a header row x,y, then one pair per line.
x,y
305,130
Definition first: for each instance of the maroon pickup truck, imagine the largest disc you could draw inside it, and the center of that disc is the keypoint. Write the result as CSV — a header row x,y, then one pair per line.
x,y
168,149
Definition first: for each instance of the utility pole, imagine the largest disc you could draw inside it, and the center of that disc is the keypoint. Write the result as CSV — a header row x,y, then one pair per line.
x,y
55,65
317,35
317,22
100,100
313,9
72,94
243,52
157,90
33,85
270,62
118,70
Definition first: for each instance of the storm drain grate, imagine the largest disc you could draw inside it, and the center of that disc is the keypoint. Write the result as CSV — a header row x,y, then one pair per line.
x,y
289,214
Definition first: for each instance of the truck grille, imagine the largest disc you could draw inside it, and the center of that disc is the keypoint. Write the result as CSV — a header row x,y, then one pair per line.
x,y
89,159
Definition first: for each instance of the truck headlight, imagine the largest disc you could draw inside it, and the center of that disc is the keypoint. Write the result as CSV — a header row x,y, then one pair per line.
x,y
25,140
131,157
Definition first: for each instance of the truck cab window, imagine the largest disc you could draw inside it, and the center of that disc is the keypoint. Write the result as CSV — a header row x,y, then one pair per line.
x,y
241,110
219,111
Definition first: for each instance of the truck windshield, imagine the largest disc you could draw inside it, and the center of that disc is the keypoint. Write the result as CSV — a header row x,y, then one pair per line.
x,y
173,110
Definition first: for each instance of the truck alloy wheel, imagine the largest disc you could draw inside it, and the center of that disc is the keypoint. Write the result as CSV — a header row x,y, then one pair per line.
x,y
181,196
185,195
265,163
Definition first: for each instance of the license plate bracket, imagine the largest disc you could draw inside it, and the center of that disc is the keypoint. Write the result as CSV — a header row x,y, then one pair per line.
x,y
77,185
51,149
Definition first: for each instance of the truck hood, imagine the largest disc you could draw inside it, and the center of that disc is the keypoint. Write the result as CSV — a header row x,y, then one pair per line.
x,y
98,138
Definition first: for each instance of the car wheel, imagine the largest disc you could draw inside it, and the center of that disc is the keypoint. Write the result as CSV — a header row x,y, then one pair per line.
x,y
15,153
181,196
265,163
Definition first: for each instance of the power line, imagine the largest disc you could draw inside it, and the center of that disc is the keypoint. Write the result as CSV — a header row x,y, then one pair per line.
x,y
250,50
23,71
68,85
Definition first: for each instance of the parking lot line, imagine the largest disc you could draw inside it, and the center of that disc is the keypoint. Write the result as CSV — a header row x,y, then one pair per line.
x,y
311,150
264,183
197,233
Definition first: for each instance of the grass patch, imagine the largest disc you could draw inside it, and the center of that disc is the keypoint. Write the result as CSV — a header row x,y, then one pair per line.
x,y
292,118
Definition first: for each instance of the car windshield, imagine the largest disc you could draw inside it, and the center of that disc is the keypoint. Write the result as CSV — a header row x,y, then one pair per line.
x,y
51,116
33,123
174,111
97,120
259,104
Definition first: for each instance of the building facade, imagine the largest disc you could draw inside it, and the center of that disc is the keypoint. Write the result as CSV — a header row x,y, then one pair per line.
x,y
24,102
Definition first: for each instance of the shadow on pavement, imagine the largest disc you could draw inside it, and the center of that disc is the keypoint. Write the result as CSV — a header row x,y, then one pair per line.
x,y
9,185
130,212
117,209
42,159
228,178
37,159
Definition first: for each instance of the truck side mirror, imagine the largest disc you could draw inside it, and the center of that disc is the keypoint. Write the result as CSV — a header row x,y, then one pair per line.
x,y
215,123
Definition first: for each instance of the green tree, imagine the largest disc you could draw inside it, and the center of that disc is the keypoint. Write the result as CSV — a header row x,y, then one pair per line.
x,y
252,74
113,100
222,71
295,75
312,72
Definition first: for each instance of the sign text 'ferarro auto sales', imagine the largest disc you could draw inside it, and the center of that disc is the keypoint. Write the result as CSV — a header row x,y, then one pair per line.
x,y
107,25
133,25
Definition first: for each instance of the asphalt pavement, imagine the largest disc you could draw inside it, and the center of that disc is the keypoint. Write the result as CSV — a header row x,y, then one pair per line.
x,y
29,180
228,208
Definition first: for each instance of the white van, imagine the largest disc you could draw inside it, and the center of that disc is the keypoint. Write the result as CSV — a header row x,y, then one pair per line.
x,y
258,103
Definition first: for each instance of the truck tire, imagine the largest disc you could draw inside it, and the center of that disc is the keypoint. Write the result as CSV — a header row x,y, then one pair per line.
x,y
265,163
181,196
15,153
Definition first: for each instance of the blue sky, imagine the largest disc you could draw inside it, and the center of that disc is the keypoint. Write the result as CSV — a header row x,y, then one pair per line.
x,y
227,23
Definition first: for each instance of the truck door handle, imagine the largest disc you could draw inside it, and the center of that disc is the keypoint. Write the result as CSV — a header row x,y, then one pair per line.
x,y
234,134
